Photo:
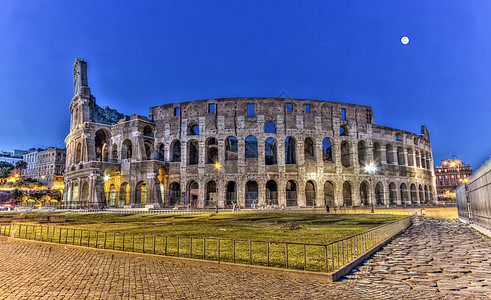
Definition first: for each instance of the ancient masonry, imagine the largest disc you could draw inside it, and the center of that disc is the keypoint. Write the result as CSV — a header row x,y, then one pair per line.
x,y
257,152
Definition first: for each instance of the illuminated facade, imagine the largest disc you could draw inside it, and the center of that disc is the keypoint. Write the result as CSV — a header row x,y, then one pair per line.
x,y
258,152
448,176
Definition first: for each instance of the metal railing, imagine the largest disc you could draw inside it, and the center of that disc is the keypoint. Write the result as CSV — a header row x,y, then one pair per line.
x,y
289,255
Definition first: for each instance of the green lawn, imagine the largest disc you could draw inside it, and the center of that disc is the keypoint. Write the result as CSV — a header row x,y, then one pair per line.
x,y
182,235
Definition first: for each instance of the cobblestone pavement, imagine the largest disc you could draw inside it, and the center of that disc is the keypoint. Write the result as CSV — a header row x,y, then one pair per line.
x,y
435,259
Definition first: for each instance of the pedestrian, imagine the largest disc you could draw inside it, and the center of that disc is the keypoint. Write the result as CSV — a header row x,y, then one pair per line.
x,y
327,208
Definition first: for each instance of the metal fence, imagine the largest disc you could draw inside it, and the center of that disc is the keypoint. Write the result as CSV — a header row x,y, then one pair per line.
x,y
300,256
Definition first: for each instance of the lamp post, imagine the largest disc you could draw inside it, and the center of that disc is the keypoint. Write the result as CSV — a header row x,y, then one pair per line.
x,y
371,168
217,167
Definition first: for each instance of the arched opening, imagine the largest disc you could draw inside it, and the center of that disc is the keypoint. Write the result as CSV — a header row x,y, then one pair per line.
x,y
291,193
212,151
175,155
193,152
426,194
193,194
163,177
161,152
114,153
175,194
421,195
251,193
329,194
124,194
290,152
309,194
101,142
231,148
410,159
78,153
148,131
362,154
271,193
141,194
414,195
112,196
344,130
251,147
105,152
270,155
309,146
148,151
392,193
389,155
85,195
193,129
127,150
377,156
326,149
231,193
423,161
379,194
270,127
345,154
211,194
364,198
417,159
398,137
400,156
76,200
404,195
347,198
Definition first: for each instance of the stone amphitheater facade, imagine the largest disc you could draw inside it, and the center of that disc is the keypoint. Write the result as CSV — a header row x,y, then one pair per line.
x,y
256,152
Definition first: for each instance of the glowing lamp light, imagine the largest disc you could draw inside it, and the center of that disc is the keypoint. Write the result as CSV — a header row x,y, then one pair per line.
x,y
371,168
106,178
217,165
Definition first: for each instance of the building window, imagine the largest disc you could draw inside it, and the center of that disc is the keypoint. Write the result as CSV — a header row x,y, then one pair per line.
x,y
343,113
250,110
176,111
289,107
307,108
211,107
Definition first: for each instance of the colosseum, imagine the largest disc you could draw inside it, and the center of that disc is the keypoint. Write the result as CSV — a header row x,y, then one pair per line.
x,y
256,152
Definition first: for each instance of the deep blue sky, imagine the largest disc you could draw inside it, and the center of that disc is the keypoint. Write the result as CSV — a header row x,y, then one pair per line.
x,y
146,53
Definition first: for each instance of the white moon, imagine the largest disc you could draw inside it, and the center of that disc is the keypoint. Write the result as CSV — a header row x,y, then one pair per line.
x,y
405,40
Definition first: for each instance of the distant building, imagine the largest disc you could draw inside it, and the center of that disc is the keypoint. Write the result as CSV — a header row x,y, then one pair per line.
x,y
11,157
49,166
31,158
448,176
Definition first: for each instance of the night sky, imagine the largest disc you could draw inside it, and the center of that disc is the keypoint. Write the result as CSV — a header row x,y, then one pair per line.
x,y
146,53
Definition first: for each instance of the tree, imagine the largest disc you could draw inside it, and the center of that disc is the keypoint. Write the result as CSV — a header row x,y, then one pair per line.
x,y
5,169
16,194
21,165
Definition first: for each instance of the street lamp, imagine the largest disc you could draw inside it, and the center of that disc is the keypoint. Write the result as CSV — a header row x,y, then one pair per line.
x,y
371,168
217,167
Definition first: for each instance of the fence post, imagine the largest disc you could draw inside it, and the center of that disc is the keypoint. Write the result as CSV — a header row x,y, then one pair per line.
x,y
204,248
234,250
88,240
133,241
218,249
35,231
325,257
190,247
154,244
286,254
332,255
267,250
178,246
337,251
81,236
59,236
66,236
97,239
304,258
143,244
250,252
123,241
165,248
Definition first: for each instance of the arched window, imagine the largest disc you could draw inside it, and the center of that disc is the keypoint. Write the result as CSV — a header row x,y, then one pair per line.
x,y
344,130
327,149
345,154
141,193
85,194
271,193
347,199
193,194
379,193
251,147
127,150
400,156
193,129
377,157
392,193
112,196
161,152
175,155
329,194
270,127
414,195
212,151
410,158
290,152
309,193
147,131
231,148
101,142
211,194
309,146
78,153
174,194
124,194
193,152
364,193
251,193
114,153
148,151
231,193
362,154
399,137
291,193
389,154
404,195
418,159
270,155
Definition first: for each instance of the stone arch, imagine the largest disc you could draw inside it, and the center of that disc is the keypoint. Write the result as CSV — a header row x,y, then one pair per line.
x,y
175,194
251,147
148,131
410,158
271,193
344,130
193,194
404,194
309,149
124,194
400,156
85,195
423,160
327,154
290,151
101,144
231,148
211,150
161,152
193,152
78,153
270,152
112,196
141,193
75,195
346,154
398,137
127,149
211,194
421,194
251,193
377,153
291,193
362,153
270,127
347,194
364,193
310,193
148,153
392,193
329,194
418,160
193,129
114,153
379,193
414,194
426,194
175,154
389,155
231,193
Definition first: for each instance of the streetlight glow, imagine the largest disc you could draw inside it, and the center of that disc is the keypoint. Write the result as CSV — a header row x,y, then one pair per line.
x,y
371,168
217,165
